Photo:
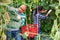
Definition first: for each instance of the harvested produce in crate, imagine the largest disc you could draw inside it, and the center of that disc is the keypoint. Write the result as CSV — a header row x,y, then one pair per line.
x,y
30,30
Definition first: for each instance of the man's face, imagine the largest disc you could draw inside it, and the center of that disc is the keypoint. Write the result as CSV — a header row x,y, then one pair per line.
x,y
22,8
43,11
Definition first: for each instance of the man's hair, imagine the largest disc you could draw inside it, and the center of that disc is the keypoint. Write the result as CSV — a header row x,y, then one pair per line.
x,y
39,8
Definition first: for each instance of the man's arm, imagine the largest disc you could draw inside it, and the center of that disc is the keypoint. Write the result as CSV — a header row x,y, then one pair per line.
x,y
48,12
23,19
10,8
22,22
42,16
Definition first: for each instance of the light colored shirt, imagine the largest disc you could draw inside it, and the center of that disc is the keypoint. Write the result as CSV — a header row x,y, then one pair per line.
x,y
37,18
15,23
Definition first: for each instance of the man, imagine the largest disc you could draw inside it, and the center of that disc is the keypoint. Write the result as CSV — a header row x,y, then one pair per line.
x,y
17,20
37,16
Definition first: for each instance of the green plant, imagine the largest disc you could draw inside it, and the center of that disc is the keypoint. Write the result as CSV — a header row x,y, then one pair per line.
x,y
4,20
55,28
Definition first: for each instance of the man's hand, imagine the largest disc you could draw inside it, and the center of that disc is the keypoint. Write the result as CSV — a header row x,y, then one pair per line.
x,y
48,12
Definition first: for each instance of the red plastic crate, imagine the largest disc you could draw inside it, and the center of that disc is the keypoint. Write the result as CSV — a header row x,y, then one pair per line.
x,y
31,28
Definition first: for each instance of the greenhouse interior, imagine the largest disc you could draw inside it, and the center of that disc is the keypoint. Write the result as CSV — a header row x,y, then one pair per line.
x,y
29,19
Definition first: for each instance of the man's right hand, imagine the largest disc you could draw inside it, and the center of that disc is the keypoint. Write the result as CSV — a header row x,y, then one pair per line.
x,y
48,12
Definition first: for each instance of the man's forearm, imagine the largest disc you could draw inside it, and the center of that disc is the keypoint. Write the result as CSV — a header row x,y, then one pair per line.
x,y
10,8
48,12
